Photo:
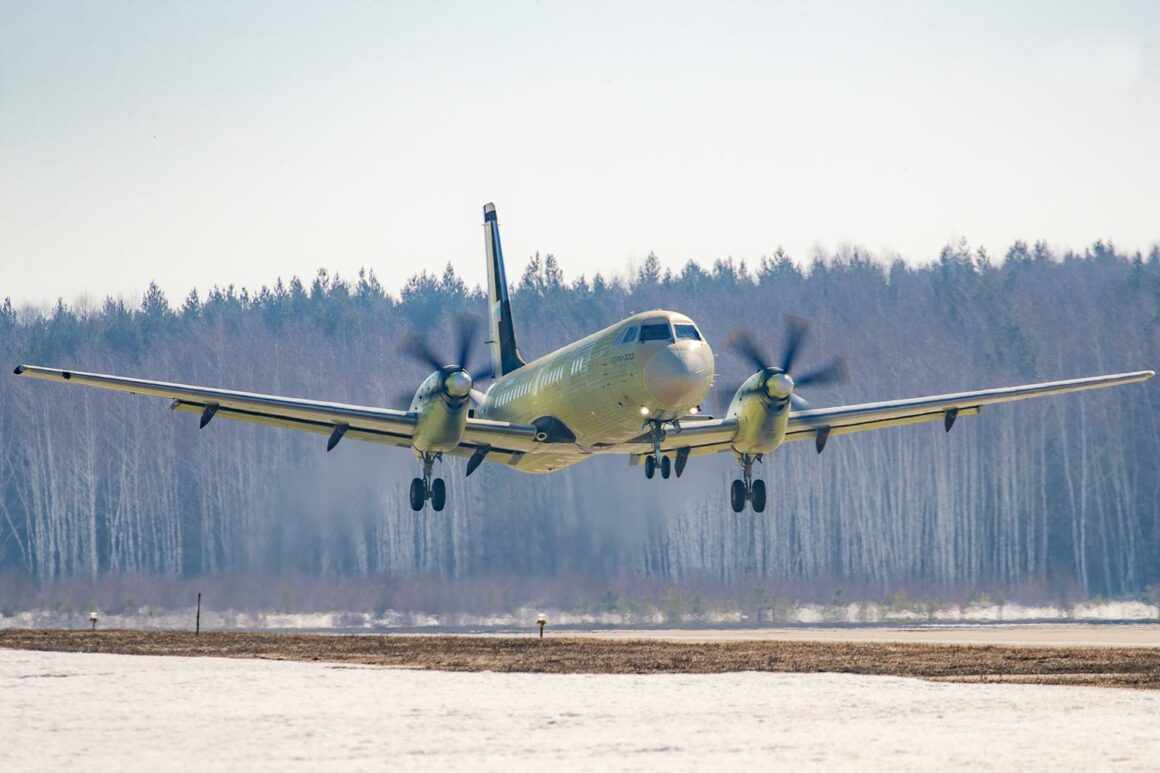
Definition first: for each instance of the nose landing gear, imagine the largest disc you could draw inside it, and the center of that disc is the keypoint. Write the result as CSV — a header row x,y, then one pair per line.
x,y
747,489
656,460
424,488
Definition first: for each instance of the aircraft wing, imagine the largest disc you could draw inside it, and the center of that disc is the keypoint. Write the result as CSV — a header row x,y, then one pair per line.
x,y
820,423
710,436
379,425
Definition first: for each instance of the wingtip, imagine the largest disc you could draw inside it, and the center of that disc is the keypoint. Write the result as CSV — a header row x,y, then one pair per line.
x,y
488,212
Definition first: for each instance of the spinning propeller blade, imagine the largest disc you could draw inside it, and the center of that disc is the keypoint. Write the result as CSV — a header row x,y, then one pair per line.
x,y
467,326
797,331
745,347
833,372
419,349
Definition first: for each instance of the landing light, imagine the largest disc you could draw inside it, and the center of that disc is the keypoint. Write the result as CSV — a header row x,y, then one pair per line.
x,y
644,410
694,411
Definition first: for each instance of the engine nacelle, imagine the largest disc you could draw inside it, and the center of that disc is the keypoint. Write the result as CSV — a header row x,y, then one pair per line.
x,y
761,407
441,402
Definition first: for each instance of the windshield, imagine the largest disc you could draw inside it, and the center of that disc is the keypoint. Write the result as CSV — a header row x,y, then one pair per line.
x,y
687,331
656,332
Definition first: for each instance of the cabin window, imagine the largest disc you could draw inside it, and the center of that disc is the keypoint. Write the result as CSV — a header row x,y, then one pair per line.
x,y
657,332
687,331
629,335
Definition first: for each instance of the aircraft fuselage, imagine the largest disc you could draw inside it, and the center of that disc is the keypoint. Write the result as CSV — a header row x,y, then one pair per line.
x,y
603,389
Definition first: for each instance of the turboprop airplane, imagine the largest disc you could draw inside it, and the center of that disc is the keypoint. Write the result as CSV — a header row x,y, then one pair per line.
x,y
634,388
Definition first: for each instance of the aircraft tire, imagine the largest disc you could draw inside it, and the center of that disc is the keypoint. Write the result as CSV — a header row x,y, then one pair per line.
x,y
666,467
737,496
418,494
758,496
650,467
438,494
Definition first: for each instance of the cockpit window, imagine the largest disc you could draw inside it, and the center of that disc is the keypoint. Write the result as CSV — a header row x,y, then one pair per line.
x,y
629,335
687,331
657,332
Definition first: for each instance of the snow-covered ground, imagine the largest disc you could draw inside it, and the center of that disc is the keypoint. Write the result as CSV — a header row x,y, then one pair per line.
x,y
62,711
796,614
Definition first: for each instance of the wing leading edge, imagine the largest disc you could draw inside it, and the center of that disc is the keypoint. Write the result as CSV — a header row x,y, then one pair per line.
x,y
381,425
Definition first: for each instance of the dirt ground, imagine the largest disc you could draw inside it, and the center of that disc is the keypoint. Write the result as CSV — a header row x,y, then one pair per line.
x,y
1108,666
1090,634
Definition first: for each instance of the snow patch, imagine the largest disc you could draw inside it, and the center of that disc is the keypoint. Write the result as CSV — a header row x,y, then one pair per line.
x,y
802,614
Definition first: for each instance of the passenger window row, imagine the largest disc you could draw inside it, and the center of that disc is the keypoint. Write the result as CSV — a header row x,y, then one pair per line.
x,y
544,378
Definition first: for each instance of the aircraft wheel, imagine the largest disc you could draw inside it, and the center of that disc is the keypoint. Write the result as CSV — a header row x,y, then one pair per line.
x,y
650,467
666,467
758,496
418,494
737,496
438,494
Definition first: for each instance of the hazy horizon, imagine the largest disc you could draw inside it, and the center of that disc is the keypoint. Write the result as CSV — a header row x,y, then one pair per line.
x,y
215,144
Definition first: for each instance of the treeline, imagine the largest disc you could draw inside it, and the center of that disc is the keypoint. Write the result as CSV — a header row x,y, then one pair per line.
x,y
1061,493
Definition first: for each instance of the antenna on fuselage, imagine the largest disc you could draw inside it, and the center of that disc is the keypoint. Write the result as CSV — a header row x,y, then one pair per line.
x,y
501,343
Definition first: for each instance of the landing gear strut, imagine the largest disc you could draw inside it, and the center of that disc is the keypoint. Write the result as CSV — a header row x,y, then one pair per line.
x,y
425,488
747,489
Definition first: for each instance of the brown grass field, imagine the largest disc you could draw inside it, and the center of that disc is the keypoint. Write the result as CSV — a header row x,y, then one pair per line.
x,y
1136,667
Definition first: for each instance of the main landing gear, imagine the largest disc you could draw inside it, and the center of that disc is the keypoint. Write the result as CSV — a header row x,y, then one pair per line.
x,y
425,488
747,489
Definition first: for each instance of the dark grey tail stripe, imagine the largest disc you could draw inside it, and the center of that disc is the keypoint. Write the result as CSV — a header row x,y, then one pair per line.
x,y
501,286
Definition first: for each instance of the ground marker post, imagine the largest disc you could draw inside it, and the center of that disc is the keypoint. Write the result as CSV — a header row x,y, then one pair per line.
x,y
541,620
197,620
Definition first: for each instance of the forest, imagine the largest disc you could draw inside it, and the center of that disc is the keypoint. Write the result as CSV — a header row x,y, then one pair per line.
x,y
1061,494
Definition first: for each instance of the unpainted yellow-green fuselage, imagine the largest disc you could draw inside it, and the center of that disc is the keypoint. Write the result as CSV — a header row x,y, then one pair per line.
x,y
598,388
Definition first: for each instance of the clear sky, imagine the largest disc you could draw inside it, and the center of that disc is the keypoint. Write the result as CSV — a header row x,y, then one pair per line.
x,y
202,143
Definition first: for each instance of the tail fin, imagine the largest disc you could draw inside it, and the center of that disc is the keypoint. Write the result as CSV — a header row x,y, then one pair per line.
x,y
505,355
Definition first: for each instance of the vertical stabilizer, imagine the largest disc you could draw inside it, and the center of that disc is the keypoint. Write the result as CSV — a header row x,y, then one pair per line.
x,y
501,340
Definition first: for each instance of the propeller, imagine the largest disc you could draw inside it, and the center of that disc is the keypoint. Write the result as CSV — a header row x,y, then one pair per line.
x,y
779,381
459,379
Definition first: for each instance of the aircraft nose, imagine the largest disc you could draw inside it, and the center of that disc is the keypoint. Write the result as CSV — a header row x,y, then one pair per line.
x,y
679,375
